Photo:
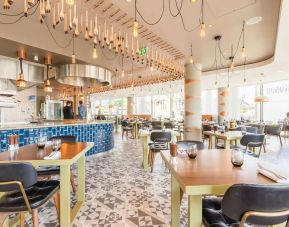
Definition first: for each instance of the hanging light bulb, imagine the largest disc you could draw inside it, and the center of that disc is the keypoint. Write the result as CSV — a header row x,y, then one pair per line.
x,y
151,68
203,30
70,2
94,52
73,58
232,66
47,87
191,60
243,52
135,28
25,8
47,7
193,1
122,73
21,82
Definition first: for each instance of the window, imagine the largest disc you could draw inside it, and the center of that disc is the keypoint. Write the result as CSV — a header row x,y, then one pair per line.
x,y
247,104
161,106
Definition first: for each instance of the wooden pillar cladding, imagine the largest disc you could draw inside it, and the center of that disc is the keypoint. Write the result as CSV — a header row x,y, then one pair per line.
x,y
223,104
193,102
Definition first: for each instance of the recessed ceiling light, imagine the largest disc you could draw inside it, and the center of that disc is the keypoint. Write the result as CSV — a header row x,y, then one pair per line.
x,y
254,20
210,25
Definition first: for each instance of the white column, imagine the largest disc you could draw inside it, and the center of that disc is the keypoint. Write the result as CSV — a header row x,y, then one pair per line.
x,y
223,104
171,105
130,106
235,103
193,102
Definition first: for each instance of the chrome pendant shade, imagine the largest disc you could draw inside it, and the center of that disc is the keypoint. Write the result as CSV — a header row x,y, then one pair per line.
x,y
81,75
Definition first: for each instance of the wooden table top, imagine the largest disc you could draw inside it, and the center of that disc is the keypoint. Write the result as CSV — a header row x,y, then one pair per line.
x,y
213,167
230,135
70,152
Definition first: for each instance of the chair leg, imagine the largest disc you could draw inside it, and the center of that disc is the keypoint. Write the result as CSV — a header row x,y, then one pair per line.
x,y
153,160
264,148
22,219
149,158
3,217
122,134
56,199
35,218
280,140
259,151
72,182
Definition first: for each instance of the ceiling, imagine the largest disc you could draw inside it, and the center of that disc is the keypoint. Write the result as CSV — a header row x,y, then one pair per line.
x,y
169,35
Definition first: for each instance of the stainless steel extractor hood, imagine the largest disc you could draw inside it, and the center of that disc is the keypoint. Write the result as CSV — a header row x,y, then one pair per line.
x,y
82,75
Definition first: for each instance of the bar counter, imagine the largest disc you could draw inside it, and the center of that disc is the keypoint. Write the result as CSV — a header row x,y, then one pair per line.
x,y
99,132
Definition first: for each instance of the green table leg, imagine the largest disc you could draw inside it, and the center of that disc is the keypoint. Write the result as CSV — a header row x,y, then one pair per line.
x,y
213,142
65,219
176,204
195,211
145,152
227,144
81,179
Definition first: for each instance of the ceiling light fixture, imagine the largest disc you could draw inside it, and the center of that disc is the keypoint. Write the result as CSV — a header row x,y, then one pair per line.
x,y
122,70
203,26
70,2
47,87
254,20
73,57
135,23
21,82
94,52
191,60
243,47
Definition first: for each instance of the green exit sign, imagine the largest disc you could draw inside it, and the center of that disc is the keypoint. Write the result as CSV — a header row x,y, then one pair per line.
x,y
143,51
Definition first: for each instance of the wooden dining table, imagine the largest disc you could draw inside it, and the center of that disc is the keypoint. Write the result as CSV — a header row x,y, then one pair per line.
x,y
70,153
145,135
211,173
228,137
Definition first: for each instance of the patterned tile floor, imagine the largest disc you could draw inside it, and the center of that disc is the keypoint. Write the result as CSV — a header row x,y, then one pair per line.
x,y
119,193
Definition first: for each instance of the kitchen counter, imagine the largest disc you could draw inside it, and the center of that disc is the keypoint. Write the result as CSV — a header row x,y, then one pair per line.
x,y
51,124
99,132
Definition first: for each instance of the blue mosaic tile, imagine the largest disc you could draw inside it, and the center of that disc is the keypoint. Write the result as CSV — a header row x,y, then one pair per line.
x,y
101,134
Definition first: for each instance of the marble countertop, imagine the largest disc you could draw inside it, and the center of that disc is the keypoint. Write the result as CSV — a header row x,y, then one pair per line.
x,y
52,124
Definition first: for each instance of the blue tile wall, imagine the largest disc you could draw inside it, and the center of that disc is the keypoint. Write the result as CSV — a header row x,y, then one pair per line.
x,y
101,134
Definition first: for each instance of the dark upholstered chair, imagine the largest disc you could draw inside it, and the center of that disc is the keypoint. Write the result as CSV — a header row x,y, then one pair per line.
x,y
184,144
126,128
169,125
48,171
251,129
253,141
23,192
160,141
206,127
274,130
245,204
157,125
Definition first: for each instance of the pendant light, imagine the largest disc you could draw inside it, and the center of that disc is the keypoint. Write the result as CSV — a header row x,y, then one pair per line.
x,y
122,70
70,2
191,60
243,52
73,57
203,26
47,87
21,82
94,52
135,23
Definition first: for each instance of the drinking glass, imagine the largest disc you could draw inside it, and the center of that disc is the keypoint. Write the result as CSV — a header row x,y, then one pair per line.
x,y
41,141
192,150
237,157
56,144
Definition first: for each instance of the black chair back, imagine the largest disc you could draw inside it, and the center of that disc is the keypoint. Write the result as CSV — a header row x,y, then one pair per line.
x,y
21,172
241,198
124,124
207,127
64,139
274,130
169,125
184,144
251,129
255,140
156,125
161,137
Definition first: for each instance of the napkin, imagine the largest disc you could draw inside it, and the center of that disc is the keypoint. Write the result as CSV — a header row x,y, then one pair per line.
x,y
48,143
53,155
267,170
